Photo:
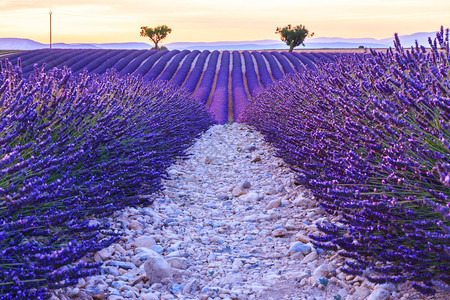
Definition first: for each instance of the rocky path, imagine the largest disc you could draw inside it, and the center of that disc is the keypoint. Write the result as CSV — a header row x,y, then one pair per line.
x,y
231,224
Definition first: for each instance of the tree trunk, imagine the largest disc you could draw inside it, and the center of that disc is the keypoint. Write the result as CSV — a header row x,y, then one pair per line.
x,y
291,47
156,45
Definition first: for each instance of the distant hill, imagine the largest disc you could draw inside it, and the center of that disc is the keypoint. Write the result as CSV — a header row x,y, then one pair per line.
x,y
313,43
27,44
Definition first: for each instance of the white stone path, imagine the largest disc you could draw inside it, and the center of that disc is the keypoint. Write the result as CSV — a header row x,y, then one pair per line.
x,y
231,224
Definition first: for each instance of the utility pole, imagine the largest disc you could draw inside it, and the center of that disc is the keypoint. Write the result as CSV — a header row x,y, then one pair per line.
x,y
50,13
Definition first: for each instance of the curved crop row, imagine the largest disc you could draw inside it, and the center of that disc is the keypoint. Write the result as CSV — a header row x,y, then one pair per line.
x,y
92,65
42,59
75,146
80,64
306,60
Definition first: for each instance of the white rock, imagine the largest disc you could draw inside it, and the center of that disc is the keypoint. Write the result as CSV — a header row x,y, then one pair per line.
x,y
157,269
250,197
386,286
106,253
321,271
149,296
134,225
302,238
279,231
246,184
379,294
144,241
270,191
360,293
173,173
310,257
299,247
238,191
178,262
191,286
273,204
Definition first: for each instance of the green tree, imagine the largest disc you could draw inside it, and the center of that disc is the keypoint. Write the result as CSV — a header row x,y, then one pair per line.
x,y
156,34
293,36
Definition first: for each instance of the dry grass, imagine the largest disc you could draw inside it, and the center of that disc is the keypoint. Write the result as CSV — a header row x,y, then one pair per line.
x,y
8,52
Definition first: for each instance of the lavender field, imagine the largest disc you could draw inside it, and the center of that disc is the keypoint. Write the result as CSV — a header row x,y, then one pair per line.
x,y
208,75
84,133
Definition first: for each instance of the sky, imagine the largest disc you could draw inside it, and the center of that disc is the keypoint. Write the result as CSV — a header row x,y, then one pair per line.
x,y
114,21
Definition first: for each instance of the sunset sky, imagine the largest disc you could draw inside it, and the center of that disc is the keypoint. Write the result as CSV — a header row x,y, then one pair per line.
x,y
102,21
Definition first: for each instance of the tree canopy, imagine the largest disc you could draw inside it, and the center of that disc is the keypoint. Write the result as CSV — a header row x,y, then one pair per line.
x,y
293,36
156,34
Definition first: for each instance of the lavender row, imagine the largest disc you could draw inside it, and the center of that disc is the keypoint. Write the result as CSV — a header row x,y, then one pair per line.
x,y
205,86
94,64
125,61
369,136
170,70
110,62
264,75
298,65
159,66
145,66
74,146
240,99
193,79
287,68
184,69
137,62
277,74
219,101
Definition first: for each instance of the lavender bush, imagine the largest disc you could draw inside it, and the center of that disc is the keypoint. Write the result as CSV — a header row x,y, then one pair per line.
x,y
72,147
306,60
369,136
